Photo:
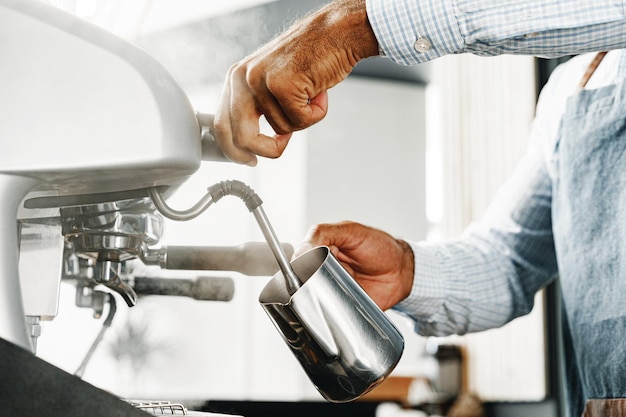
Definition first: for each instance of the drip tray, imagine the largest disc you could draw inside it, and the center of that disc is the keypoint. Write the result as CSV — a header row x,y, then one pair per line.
x,y
167,408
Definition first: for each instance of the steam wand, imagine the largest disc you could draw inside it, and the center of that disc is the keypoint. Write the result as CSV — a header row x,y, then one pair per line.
x,y
253,203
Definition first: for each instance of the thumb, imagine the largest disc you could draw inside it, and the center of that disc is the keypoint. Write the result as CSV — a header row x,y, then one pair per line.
x,y
306,244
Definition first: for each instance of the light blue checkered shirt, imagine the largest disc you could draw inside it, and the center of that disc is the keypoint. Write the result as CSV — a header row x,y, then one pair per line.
x,y
491,274
490,27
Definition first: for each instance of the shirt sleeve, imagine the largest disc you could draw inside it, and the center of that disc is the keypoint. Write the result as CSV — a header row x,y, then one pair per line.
x,y
415,31
490,275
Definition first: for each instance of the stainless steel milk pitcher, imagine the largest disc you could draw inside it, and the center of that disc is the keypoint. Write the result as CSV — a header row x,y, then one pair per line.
x,y
344,342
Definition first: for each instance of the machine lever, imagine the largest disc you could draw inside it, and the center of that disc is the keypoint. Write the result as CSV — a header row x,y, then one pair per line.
x,y
211,151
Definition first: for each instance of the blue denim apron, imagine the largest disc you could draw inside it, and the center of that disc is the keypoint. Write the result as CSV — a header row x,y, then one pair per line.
x,y
589,224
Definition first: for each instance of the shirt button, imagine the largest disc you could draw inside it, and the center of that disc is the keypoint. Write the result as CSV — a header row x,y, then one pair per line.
x,y
422,45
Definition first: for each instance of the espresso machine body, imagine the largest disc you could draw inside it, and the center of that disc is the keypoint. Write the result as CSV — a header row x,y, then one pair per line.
x,y
88,124
85,118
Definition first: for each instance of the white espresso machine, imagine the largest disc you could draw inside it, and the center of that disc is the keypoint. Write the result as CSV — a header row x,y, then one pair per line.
x,y
90,127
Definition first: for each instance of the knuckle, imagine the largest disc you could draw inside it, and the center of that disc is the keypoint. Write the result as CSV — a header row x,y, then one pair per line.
x,y
234,69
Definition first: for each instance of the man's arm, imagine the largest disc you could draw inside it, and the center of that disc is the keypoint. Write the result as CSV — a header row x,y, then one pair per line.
x,y
415,31
286,80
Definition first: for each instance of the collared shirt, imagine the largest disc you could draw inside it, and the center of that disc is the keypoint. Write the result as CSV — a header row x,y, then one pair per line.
x,y
415,31
490,275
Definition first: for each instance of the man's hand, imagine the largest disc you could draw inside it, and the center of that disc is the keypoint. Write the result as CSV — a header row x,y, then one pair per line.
x,y
381,264
287,80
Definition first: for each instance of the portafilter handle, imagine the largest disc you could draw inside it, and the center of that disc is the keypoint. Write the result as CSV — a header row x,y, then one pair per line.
x,y
199,288
251,258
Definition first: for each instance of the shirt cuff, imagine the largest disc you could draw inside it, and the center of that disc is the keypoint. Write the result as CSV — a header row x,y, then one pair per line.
x,y
428,289
411,32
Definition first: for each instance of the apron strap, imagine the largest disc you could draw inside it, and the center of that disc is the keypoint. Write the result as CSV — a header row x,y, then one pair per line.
x,y
591,69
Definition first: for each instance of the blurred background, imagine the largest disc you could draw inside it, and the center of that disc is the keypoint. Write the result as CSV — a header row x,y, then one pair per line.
x,y
416,151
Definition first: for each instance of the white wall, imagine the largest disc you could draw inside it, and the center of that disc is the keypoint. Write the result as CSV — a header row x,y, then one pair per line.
x,y
366,159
